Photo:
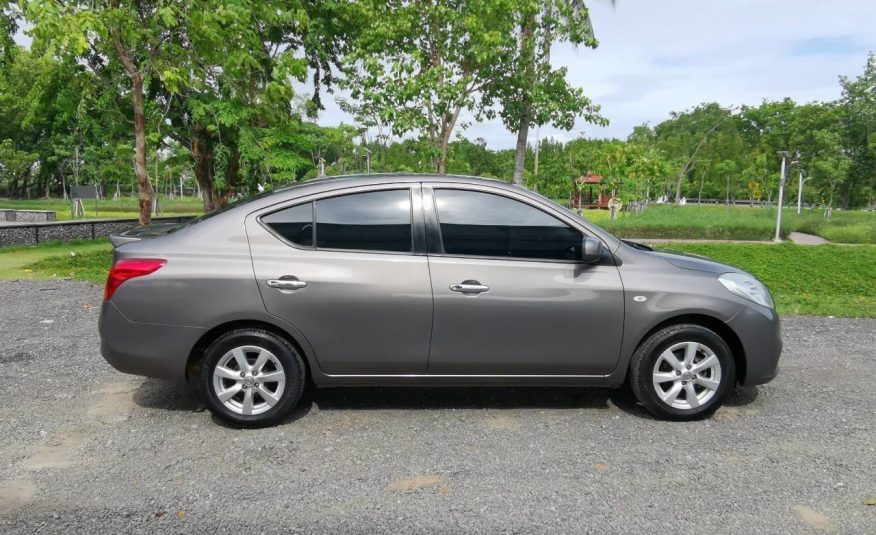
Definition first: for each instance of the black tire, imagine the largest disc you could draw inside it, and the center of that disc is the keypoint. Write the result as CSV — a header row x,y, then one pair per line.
x,y
292,369
642,369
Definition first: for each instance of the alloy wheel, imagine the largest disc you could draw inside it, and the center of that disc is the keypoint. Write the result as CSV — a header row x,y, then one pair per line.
x,y
687,375
249,380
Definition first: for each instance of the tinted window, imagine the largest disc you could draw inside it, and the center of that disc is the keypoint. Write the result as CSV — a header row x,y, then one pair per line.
x,y
295,224
483,224
373,221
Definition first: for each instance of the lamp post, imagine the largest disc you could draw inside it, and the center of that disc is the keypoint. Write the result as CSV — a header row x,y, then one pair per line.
x,y
784,154
800,191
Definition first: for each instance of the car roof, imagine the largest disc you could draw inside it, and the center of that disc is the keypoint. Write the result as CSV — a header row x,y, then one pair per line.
x,y
382,178
329,184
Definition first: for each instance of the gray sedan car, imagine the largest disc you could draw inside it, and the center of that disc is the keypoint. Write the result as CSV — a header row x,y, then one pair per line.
x,y
426,280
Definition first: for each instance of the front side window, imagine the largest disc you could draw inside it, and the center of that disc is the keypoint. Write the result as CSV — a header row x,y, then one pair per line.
x,y
482,224
370,221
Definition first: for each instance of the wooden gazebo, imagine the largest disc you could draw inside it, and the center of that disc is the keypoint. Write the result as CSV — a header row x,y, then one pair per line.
x,y
587,193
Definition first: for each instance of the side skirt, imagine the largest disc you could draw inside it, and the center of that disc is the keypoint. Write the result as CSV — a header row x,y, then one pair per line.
x,y
322,380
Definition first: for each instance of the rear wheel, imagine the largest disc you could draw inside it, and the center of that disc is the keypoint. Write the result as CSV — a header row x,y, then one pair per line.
x,y
682,372
251,378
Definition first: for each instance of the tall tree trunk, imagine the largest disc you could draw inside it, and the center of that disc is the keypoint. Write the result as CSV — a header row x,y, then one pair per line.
x,y
231,171
204,165
527,54
139,133
520,150
442,157
205,168
447,125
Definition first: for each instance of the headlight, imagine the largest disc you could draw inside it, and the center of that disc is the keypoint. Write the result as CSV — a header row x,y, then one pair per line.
x,y
748,287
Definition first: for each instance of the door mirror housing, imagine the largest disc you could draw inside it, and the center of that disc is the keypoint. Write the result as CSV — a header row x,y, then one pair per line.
x,y
592,250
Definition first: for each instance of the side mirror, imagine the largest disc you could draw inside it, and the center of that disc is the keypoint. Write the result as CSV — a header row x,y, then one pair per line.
x,y
591,250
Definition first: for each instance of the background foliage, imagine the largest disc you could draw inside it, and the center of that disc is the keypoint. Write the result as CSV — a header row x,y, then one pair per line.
x,y
223,114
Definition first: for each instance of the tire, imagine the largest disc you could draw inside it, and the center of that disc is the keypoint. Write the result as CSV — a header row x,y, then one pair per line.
x,y
249,400
674,385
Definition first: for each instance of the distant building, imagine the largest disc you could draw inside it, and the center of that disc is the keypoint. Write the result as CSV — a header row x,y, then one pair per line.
x,y
588,194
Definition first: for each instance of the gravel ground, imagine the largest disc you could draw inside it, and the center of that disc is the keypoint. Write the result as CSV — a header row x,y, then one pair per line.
x,y
85,448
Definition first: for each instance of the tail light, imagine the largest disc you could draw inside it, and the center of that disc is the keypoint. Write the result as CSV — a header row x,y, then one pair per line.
x,y
128,268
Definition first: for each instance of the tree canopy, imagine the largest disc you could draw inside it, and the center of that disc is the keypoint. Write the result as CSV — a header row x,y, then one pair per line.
x,y
225,96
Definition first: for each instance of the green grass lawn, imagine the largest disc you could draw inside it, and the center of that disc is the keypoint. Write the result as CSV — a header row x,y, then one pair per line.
x,y
125,207
824,280
737,223
82,260
810,280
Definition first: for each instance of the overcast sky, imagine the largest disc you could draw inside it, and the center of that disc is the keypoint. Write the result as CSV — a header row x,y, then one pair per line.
x,y
656,57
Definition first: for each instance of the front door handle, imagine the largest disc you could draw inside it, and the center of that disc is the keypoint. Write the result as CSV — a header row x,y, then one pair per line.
x,y
286,282
469,287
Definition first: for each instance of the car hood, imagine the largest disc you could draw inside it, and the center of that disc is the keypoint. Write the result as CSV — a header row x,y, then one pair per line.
x,y
694,262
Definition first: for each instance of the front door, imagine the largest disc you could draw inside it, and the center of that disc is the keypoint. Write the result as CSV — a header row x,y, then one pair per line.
x,y
511,298
343,270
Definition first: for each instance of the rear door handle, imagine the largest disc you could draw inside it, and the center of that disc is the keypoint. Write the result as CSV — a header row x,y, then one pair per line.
x,y
286,282
469,287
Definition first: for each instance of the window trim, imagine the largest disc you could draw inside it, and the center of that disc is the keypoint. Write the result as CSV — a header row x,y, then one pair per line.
x,y
418,227
435,231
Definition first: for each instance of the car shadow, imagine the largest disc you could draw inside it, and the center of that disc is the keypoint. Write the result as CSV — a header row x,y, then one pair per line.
x,y
171,396
488,397
741,396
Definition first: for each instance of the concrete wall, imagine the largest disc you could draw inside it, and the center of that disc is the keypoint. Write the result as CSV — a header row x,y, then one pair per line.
x,y
35,233
27,216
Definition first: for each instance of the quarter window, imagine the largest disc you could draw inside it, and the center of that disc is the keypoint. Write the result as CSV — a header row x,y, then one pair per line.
x,y
295,224
371,221
483,224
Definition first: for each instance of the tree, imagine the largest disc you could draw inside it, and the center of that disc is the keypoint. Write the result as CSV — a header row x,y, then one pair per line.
x,y
232,107
531,92
9,17
685,135
109,37
196,70
419,63
858,118
51,110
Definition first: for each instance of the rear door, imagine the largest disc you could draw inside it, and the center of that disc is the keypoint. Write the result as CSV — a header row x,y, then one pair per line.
x,y
511,296
348,270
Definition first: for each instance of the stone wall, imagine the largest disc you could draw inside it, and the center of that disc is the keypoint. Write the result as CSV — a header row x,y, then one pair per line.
x,y
35,233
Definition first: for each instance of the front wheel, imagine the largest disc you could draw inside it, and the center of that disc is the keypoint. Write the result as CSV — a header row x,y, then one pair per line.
x,y
682,372
251,378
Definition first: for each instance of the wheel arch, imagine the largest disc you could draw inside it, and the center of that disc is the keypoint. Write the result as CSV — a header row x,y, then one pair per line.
x,y
197,352
719,327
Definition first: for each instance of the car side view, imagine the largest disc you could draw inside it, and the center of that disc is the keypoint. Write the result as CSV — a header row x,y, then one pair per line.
x,y
425,280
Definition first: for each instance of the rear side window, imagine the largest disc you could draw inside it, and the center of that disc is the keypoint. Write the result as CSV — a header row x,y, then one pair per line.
x,y
483,224
371,221
295,224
